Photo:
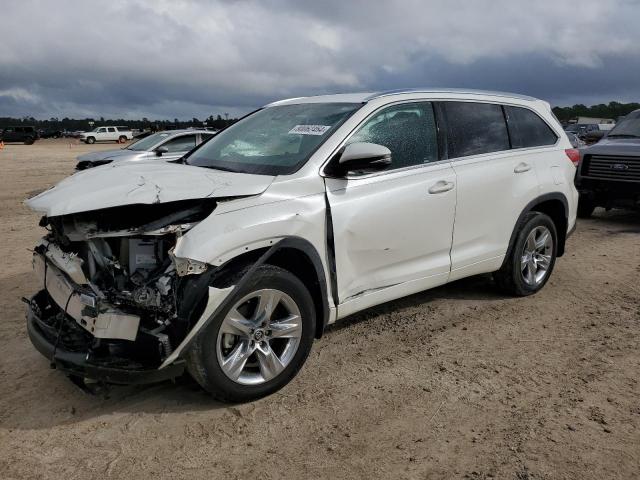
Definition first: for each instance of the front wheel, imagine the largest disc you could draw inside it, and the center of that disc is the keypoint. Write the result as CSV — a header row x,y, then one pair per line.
x,y
122,139
90,140
531,259
260,342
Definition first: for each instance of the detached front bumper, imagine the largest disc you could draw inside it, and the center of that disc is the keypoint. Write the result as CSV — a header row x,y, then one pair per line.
x,y
71,358
81,335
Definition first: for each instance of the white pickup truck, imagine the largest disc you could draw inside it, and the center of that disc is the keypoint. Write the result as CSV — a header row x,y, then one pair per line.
x,y
107,134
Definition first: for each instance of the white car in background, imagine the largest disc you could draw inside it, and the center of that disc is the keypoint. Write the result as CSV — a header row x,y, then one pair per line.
x,y
168,145
107,134
308,210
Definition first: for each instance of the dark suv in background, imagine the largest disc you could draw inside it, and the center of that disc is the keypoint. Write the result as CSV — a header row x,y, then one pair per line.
x,y
609,172
26,135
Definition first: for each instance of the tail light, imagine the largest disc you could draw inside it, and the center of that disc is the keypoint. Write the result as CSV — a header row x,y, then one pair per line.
x,y
574,155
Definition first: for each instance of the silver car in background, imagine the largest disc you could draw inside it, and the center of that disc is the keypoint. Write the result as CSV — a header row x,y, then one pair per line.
x,y
166,146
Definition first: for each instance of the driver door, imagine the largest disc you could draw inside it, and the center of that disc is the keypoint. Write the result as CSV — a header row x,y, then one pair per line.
x,y
392,230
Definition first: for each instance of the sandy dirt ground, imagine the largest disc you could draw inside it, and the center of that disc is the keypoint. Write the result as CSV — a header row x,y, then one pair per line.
x,y
458,382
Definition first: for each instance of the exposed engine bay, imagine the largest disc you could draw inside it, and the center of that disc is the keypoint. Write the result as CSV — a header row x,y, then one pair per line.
x,y
113,272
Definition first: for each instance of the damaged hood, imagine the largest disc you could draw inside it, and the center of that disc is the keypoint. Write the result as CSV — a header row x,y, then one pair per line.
x,y
119,184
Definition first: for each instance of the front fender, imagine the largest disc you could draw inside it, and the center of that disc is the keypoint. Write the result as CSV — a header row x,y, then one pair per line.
x,y
229,232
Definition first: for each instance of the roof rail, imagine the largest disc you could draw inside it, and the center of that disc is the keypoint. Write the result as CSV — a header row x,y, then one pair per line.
x,y
449,90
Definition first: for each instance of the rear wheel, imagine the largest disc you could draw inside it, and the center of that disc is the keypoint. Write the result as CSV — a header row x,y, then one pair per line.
x,y
258,344
90,140
29,141
122,139
585,207
532,257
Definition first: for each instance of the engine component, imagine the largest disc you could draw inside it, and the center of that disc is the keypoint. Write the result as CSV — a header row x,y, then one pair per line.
x,y
146,296
144,254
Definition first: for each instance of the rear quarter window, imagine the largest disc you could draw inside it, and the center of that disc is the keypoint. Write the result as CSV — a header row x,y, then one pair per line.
x,y
475,128
527,129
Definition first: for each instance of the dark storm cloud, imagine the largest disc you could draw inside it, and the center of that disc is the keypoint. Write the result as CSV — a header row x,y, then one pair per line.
x,y
182,59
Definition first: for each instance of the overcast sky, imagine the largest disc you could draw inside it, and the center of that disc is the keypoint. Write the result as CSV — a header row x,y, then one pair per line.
x,y
166,59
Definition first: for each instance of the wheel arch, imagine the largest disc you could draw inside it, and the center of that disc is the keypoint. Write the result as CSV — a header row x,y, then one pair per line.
x,y
299,257
293,254
556,206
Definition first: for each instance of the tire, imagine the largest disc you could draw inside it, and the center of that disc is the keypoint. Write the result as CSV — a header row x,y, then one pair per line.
x,y
585,207
90,140
210,350
29,141
520,279
122,139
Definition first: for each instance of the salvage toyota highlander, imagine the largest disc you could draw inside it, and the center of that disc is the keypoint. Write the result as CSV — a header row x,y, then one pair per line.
x,y
230,262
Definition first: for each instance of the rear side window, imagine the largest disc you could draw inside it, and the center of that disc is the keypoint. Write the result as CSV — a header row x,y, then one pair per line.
x,y
111,129
475,128
408,130
527,129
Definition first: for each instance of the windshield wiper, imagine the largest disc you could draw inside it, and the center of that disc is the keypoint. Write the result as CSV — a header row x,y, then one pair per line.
x,y
623,135
223,169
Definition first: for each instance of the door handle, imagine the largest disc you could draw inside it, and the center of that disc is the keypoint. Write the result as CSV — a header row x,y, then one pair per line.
x,y
522,167
441,187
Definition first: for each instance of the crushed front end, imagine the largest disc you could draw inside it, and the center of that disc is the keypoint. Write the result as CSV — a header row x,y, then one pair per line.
x,y
114,302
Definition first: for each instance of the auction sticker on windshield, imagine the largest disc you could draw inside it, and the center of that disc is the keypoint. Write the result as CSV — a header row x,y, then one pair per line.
x,y
310,129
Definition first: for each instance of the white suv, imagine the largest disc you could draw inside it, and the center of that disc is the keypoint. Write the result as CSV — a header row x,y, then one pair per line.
x,y
230,263
107,134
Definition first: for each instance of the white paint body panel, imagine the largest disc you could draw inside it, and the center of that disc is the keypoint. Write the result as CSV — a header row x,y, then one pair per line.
x,y
389,230
392,238
491,197
125,183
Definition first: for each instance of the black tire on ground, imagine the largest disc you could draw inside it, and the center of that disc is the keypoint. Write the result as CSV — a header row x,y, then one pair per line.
x,y
122,139
202,358
585,207
510,277
90,140
29,141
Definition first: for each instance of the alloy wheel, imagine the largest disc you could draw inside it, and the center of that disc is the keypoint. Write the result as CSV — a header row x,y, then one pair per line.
x,y
259,337
536,256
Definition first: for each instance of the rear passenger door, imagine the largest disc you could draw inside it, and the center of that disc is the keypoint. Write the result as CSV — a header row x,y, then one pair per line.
x,y
495,183
531,136
112,134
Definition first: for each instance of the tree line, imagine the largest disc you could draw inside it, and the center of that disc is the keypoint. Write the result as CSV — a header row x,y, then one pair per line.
x,y
613,110
73,124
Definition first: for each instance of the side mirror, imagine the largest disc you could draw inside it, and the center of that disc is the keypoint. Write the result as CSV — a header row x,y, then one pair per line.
x,y
161,151
362,157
